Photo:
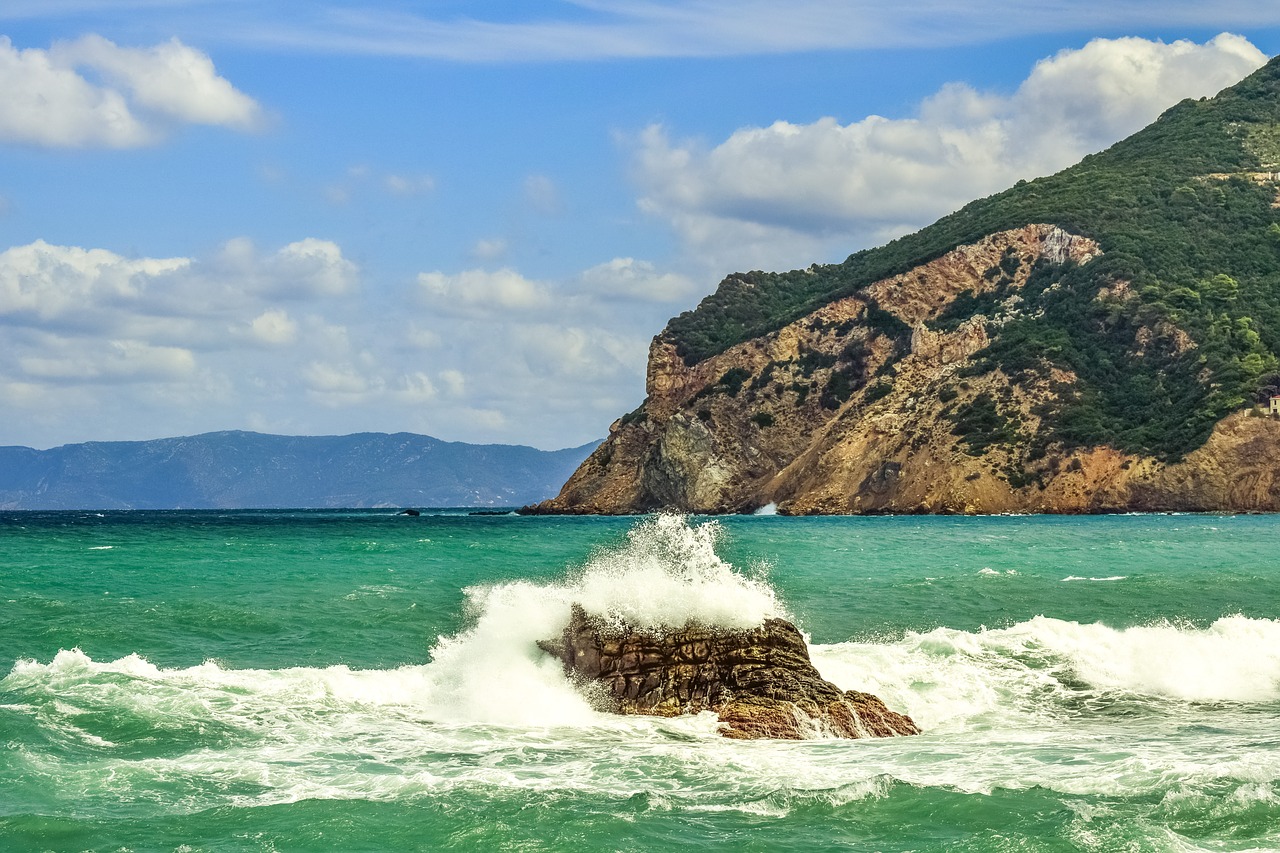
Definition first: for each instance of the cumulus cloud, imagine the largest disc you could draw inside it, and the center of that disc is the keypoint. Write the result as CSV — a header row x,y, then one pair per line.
x,y
481,290
335,380
50,282
285,339
186,300
109,361
311,267
797,185
302,269
93,93
274,328
415,388
638,280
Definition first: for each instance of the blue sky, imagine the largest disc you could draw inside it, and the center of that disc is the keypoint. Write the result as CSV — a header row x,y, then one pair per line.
x,y
468,219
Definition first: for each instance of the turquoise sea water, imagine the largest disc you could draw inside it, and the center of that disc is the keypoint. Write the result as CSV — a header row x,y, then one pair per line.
x,y
276,681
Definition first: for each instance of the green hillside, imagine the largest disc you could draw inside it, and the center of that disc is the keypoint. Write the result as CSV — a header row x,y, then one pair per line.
x,y
1184,212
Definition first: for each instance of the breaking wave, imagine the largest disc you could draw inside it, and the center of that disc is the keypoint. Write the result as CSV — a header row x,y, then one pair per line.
x,y
1051,666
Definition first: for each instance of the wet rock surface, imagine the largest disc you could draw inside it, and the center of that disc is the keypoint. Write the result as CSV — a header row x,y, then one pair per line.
x,y
760,681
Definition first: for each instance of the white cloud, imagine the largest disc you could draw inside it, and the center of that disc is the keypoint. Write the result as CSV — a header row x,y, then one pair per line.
x,y
638,280
312,267
110,361
170,300
274,328
49,281
170,79
303,269
331,380
409,185
46,100
455,383
415,388
489,249
481,290
796,185
575,352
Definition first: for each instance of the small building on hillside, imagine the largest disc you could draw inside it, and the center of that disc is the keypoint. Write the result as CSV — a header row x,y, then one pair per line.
x,y
1274,407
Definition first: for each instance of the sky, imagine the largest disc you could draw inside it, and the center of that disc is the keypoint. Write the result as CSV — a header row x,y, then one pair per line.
x,y
469,219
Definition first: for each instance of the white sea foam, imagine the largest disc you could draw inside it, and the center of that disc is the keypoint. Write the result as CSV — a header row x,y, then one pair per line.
x,y
947,677
1070,578
992,703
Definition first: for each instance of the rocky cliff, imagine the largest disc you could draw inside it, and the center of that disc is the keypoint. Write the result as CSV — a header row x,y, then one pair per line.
x,y
867,405
1095,341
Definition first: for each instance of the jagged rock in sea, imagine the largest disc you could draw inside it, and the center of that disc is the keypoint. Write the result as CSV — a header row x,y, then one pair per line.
x,y
1106,339
760,680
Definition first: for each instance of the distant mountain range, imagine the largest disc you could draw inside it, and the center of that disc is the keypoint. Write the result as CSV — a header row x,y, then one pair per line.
x,y
225,470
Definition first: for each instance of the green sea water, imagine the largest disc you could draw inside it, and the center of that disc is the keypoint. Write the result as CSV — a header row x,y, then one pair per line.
x,y
320,680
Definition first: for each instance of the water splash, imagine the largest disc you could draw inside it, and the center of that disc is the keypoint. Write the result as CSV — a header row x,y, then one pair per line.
x,y
667,573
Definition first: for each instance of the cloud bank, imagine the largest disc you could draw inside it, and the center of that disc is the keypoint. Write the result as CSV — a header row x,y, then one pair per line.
x,y
292,339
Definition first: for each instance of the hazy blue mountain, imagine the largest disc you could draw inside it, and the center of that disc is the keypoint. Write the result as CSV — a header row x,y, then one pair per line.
x,y
247,469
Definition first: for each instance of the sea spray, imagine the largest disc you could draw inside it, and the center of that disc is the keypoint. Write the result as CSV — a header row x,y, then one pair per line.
x,y
666,574
669,575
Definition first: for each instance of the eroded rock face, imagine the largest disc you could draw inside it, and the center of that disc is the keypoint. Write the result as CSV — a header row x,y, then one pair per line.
x,y
835,413
760,681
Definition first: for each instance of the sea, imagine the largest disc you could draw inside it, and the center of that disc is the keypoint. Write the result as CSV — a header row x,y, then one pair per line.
x,y
327,680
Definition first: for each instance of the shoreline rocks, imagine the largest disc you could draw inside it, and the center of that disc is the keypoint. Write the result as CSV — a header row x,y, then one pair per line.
x,y
760,681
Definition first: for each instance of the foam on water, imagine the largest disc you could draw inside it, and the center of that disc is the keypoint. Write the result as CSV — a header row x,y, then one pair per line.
x,y
952,678
1070,578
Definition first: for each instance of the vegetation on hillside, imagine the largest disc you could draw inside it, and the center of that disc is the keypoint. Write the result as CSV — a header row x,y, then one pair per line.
x,y
1191,239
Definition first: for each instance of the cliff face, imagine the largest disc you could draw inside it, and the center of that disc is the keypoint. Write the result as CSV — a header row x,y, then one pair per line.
x,y
876,403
